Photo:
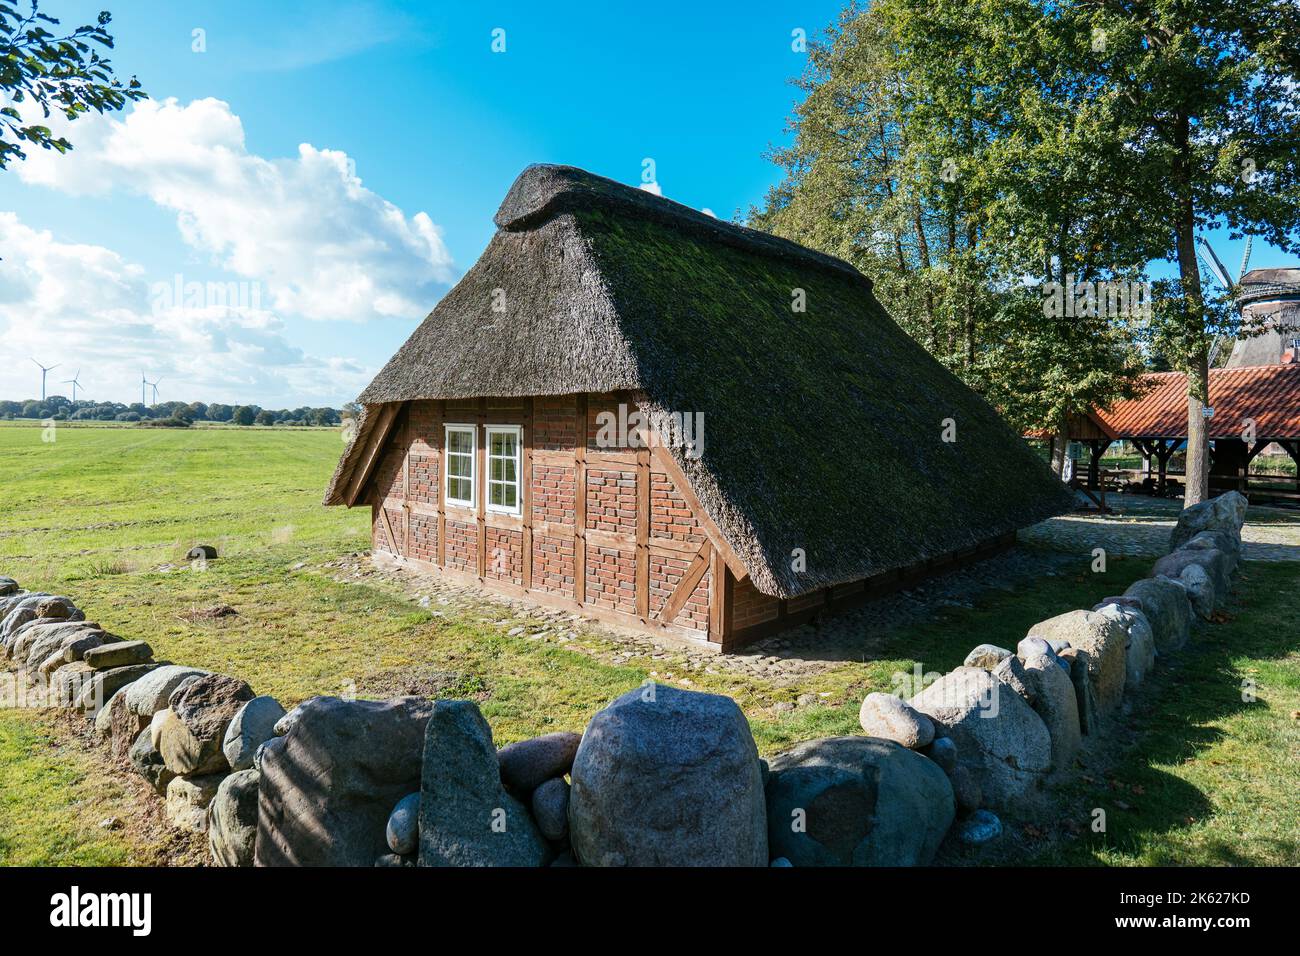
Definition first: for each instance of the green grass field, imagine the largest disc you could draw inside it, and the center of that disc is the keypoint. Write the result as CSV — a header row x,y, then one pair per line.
x,y
106,515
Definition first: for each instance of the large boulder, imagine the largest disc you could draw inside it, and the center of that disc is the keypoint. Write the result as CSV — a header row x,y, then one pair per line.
x,y
999,738
527,764
551,809
204,710
466,816
252,726
987,656
403,829
1056,704
1225,513
182,751
117,722
1106,641
1078,661
1216,564
102,685
34,641
329,785
1167,608
7,586
1202,593
890,718
1140,654
232,820
42,641
1220,541
148,762
668,777
856,801
118,654
188,798
67,683
151,693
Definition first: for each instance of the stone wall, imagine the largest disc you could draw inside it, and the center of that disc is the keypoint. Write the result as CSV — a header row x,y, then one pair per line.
x,y
662,776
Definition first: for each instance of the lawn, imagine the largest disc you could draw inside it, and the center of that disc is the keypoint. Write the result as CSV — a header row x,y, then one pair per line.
x,y
107,514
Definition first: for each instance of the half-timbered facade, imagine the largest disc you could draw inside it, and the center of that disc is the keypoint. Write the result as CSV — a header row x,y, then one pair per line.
x,y
495,447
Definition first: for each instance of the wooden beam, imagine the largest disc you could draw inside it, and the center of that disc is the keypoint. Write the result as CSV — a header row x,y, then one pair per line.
x,y
371,453
480,454
580,504
643,533
526,494
660,456
686,586
719,600
440,436
388,529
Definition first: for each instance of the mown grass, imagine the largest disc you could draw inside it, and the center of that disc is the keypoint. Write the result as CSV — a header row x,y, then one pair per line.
x,y
106,515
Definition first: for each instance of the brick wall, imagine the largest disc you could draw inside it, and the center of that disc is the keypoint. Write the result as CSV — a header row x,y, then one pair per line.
x,y
670,516
505,555
611,500
555,425
462,546
666,572
423,538
750,606
553,565
424,477
554,493
611,579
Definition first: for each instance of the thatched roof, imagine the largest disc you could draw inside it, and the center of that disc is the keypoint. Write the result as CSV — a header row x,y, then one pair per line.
x,y
822,428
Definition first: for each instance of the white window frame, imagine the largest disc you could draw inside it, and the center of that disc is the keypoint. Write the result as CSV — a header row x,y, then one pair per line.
x,y
518,432
473,465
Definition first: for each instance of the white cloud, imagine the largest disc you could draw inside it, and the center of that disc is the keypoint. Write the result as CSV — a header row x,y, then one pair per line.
x,y
652,188
86,307
324,245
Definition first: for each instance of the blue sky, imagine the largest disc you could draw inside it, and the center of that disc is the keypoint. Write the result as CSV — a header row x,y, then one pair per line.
x,y
252,172
434,122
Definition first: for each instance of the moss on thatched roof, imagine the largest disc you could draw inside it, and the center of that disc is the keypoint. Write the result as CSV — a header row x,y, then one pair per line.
x,y
823,428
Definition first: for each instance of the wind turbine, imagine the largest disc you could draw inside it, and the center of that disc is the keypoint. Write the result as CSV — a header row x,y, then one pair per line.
x,y
75,382
45,370
154,386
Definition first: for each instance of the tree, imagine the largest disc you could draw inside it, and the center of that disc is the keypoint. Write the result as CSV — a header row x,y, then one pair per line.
x,y
1195,109
265,417
906,149
243,415
53,72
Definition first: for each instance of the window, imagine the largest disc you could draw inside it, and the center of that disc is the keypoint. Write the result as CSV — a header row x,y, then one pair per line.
x,y
503,452
460,465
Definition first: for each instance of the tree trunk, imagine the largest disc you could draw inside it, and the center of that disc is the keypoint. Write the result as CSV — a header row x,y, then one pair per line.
x,y
1060,445
1197,357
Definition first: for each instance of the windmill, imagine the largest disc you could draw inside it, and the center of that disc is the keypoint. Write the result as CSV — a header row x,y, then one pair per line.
x,y
1214,265
1269,302
45,370
75,382
154,386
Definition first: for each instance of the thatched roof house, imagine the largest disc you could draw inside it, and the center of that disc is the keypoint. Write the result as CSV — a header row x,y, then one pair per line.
x,y
826,467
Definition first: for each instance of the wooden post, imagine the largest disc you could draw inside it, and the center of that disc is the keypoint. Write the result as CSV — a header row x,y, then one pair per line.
x,y
440,436
480,445
643,532
526,494
580,505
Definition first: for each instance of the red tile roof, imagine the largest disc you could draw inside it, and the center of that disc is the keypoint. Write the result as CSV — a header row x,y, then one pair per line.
x,y
1268,394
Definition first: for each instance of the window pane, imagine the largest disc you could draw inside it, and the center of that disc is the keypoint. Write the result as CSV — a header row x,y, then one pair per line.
x,y
496,469
508,495
494,493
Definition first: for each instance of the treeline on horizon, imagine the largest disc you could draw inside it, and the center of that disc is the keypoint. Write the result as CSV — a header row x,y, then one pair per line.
x,y
59,408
